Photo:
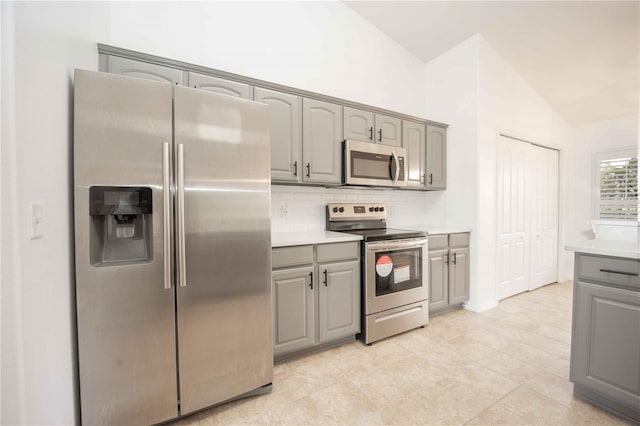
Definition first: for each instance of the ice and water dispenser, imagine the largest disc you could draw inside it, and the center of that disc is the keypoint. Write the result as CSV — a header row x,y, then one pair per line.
x,y
121,225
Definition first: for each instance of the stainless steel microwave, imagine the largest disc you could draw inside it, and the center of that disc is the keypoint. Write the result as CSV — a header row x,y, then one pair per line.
x,y
370,164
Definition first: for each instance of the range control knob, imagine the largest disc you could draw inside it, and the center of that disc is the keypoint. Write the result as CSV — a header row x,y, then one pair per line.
x,y
376,209
335,210
381,209
370,209
341,209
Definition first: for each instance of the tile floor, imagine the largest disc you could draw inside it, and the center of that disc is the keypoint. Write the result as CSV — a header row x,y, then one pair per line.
x,y
509,365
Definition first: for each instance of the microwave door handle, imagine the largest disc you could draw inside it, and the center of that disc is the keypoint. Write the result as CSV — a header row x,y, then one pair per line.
x,y
395,175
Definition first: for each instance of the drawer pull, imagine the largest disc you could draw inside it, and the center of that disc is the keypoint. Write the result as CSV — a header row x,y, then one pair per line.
x,y
611,271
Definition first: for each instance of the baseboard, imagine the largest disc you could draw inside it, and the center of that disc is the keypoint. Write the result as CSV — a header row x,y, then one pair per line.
x,y
480,307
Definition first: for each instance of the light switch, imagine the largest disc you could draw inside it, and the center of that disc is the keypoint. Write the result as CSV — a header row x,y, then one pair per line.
x,y
37,218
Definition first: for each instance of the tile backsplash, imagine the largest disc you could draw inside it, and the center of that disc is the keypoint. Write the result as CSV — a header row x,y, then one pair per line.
x,y
305,206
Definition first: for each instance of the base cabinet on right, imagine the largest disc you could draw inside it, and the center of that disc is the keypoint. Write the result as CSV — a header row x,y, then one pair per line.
x,y
448,271
605,347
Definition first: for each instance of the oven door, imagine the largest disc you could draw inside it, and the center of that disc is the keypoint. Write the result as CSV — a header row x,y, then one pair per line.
x,y
395,273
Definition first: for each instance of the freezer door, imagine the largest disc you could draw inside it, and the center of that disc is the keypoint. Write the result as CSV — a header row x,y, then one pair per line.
x,y
223,247
125,313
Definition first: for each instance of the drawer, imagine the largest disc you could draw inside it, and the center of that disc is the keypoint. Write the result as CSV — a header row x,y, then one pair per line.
x,y
437,242
338,251
459,240
624,272
291,256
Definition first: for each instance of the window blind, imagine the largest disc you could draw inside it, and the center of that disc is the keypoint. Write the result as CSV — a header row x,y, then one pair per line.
x,y
619,188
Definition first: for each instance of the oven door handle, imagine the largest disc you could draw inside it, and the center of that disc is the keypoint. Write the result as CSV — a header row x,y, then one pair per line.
x,y
387,246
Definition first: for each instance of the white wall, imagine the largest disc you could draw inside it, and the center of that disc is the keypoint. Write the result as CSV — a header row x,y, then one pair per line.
x,y
480,95
589,140
45,42
323,47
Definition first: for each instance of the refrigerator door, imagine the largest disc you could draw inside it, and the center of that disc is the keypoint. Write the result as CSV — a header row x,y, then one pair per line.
x,y
125,313
223,247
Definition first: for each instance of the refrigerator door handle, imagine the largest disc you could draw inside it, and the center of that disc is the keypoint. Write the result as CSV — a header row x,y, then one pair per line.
x,y
182,273
166,211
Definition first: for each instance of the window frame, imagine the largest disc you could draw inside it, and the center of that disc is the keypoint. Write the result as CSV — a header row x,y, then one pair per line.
x,y
598,157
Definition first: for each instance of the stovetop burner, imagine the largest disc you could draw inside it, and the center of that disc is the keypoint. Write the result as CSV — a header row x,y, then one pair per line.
x,y
366,219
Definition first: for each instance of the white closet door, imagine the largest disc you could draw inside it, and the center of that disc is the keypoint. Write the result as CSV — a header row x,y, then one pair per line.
x,y
513,218
544,220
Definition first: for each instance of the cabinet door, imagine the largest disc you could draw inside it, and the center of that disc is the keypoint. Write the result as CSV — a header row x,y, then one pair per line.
x,y
436,171
285,134
388,130
220,85
139,69
293,309
358,124
458,275
339,300
321,141
438,279
413,140
605,349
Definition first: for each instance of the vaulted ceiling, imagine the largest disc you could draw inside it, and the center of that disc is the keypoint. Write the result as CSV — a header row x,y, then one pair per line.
x,y
583,57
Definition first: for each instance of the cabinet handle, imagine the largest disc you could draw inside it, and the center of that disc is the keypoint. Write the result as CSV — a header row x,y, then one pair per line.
x,y
308,169
371,133
325,278
611,271
454,257
295,168
311,280
380,135
430,178
446,259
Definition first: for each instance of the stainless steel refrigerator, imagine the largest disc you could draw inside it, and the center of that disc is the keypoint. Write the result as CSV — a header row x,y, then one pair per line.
x,y
172,246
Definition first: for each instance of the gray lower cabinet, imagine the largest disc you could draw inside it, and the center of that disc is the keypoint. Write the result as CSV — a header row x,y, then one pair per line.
x,y
139,69
220,85
436,161
316,295
286,135
321,142
605,346
448,271
413,140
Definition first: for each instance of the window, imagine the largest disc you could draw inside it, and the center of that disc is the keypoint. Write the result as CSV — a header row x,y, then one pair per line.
x,y
617,185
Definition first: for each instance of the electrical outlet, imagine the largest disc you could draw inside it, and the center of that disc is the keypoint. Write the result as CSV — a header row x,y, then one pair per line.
x,y
284,211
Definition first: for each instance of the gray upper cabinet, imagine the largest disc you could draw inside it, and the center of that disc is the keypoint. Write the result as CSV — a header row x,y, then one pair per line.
x,y
339,303
220,85
458,275
388,130
286,135
293,309
436,170
321,142
139,69
358,124
413,140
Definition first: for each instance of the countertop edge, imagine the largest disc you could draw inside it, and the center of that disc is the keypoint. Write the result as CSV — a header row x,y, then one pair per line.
x,y
628,254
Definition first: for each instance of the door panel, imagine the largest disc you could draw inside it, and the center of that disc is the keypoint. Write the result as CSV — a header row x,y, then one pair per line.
x,y
321,141
388,130
436,162
413,140
459,275
438,279
513,217
358,124
286,138
220,85
294,309
339,300
139,69
223,350
125,317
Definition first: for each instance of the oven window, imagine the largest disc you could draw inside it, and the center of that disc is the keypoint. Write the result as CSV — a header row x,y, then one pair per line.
x,y
398,270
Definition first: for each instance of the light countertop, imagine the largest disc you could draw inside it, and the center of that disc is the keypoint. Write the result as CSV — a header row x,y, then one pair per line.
x,y
606,248
283,239
439,230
